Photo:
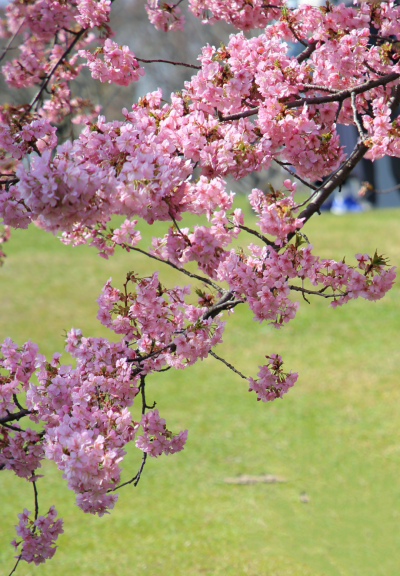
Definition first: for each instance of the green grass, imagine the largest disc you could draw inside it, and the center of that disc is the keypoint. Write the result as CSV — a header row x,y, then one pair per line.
x,y
335,435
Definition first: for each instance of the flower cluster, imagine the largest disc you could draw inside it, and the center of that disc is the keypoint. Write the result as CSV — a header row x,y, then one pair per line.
x,y
276,212
272,382
20,365
57,192
263,279
156,439
93,12
119,65
164,15
241,14
21,452
37,536
86,416
20,139
165,330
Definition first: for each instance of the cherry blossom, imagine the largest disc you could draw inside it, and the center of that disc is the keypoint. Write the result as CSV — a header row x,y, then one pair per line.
x,y
251,103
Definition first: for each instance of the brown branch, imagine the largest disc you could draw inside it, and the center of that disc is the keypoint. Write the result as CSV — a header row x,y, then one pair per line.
x,y
254,233
227,364
295,175
338,177
15,416
355,117
337,97
225,303
322,88
240,115
135,479
344,94
169,62
315,292
183,270
16,564
336,180
8,47
56,65
307,52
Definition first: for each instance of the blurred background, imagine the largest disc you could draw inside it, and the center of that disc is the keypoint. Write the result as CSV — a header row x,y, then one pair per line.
x,y
333,439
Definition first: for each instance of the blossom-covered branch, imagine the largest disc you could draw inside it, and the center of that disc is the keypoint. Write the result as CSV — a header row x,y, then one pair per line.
x,y
248,104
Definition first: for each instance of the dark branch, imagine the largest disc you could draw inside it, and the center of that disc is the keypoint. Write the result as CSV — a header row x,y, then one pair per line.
x,y
15,416
307,52
316,292
8,47
225,303
295,175
190,274
56,65
255,233
16,564
355,117
227,364
337,97
336,180
169,62
135,479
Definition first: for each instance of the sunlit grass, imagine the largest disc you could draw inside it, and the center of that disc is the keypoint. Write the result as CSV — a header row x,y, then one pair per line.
x,y
335,436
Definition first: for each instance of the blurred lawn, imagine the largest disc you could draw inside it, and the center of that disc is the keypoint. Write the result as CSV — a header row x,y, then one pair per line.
x,y
335,436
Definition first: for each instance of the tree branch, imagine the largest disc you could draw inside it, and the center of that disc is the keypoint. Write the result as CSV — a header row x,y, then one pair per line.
x,y
355,117
169,62
336,180
14,416
135,479
337,97
315,292
254,233
183,270
227,364
295,175
225,303
56,65
8,46
307,52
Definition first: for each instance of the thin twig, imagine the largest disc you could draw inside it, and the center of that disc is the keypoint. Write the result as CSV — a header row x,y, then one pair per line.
x,y
183,270
306,201
316,292
295,175
227,364
135,479
56,65
254,233
338,112
16,564
11,427
355,117
169,62
297,37
387,190
36,502
8,47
